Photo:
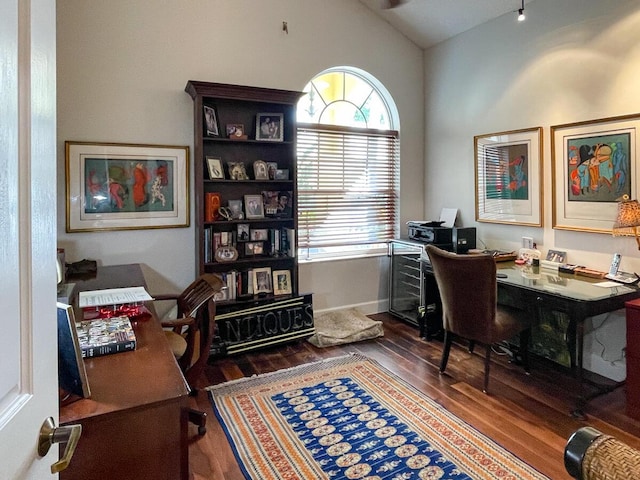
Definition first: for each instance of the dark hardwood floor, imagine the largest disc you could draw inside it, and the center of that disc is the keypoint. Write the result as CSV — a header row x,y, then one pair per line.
x,y
527,414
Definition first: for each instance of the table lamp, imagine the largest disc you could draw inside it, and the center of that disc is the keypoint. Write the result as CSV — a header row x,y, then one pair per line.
x,y
627,219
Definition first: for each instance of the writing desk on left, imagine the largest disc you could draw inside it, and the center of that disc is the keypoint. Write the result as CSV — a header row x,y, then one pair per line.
x,y
134,425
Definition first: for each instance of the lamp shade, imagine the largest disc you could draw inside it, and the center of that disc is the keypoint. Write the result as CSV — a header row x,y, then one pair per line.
x,y
628,217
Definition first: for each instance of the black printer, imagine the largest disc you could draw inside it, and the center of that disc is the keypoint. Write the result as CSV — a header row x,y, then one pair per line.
x,y
455,239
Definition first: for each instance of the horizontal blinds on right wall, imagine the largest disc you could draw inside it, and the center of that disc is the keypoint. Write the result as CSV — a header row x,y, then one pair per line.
x,y
347,185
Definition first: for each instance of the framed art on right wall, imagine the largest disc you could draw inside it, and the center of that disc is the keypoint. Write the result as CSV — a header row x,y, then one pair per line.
x,y
593,166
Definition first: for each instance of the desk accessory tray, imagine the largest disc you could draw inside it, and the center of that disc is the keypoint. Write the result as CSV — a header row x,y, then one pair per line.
x,y
623,277
499,255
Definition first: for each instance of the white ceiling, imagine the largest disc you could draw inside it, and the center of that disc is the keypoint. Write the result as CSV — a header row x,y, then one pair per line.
x,y
427,22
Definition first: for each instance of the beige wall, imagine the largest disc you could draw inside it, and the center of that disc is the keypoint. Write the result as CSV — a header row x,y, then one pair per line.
x,y
122,69
570,61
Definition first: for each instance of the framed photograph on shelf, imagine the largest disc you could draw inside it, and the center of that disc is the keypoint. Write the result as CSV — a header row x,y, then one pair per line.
x,y
226,253
235,206
278,203
508,177
262,280
235,131
260,171
269,127
237,171
259,234
243,232
254,206
593,164
253,248
282,174
281,282
272,167
113,186
211,121
214,165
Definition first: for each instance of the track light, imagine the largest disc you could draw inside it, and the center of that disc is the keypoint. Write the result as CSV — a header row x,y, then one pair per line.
x,y
521,16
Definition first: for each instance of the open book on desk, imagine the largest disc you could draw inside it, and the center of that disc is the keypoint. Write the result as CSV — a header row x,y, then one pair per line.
x,y
113,296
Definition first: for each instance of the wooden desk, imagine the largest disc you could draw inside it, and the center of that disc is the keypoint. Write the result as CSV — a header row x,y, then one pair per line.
x,y
538,289
134,425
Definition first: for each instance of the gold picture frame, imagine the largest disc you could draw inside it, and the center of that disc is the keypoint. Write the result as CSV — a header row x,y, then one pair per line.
x,y
282,282
117,186
508,177
593,165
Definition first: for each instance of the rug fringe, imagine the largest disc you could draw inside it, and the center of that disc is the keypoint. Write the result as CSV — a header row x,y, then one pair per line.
x,y
350,355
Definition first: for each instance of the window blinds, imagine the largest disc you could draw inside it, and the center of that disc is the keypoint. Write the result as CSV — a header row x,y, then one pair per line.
x,y
347,186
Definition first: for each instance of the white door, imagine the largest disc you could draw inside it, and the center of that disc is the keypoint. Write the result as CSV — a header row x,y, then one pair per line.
x,y
28,335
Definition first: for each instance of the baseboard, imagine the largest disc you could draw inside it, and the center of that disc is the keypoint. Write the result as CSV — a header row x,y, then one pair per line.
x,y
368,308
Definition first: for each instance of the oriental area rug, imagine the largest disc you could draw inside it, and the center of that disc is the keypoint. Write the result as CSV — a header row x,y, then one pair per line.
x,y
350,418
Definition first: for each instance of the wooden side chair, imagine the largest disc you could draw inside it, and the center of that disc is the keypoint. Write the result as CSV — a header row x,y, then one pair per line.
x,y
190,334
468,290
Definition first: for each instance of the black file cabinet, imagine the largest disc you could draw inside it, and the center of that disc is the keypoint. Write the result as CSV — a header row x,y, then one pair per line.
x,y
406,280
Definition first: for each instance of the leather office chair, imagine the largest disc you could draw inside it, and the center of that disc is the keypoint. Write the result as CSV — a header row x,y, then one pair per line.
x,y
191,333
468,290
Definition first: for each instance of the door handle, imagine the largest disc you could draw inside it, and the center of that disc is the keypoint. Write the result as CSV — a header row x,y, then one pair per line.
x,y
49,435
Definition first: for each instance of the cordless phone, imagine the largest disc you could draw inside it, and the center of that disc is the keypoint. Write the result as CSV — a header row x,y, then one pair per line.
x,y
615,264
618,276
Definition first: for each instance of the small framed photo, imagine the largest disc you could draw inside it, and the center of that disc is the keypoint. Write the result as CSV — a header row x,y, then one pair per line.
x,y
269,127
211,121
243,232
282,174
226,253
253,248
254,206
237,171
282,282
236,209
215,168
271,169
262,280
259,234
235,131
260,170
559,256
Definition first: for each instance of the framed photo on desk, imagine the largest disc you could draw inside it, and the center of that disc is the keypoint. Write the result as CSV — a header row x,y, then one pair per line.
x,y
72,374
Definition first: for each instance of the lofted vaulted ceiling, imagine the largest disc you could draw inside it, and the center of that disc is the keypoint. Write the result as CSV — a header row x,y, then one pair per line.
x,y
428,22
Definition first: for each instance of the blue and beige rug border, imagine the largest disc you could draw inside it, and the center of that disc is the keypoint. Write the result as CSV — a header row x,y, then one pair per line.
x,y
266,446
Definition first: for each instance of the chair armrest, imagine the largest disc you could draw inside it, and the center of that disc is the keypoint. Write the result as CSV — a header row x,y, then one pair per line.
x,y
592,455
177,322
166,296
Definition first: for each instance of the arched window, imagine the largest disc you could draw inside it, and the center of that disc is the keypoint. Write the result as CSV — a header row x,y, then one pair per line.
x,y
347,166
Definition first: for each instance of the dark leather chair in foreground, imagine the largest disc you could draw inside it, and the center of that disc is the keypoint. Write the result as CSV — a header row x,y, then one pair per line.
x,y
468,290
592,455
